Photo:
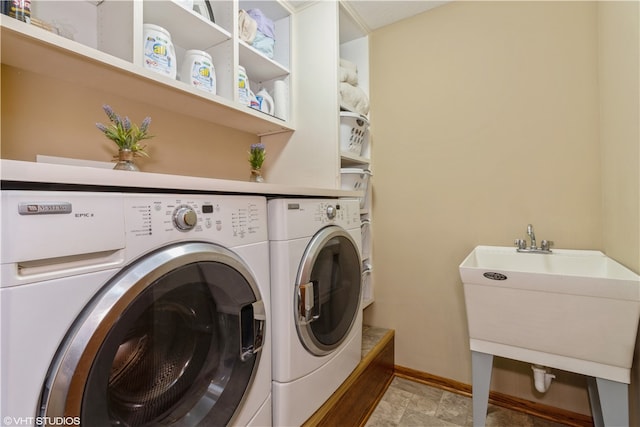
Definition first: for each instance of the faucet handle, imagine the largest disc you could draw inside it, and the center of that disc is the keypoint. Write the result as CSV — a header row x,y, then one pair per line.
x,y
520,243
546,245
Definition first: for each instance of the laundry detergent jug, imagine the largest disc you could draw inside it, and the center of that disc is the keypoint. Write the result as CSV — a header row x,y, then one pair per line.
x,y
159,53
265,101
198,71
253,101
244,91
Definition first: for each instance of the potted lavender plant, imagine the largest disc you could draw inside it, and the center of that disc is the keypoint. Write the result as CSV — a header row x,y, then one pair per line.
x,y
127,137
257,155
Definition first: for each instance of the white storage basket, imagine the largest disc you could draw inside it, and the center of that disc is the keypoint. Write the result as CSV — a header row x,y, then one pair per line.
x,y
354,133
356,179
367,285
366,238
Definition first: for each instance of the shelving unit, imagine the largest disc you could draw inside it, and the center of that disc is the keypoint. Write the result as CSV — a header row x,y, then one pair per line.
x,y
106,50
354,47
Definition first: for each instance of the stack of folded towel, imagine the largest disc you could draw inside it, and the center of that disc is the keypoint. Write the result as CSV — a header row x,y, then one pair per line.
x,y
352,97
257,30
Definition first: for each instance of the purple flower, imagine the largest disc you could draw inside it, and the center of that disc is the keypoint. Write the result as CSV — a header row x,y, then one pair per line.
x,y
125,134
145,124
109,111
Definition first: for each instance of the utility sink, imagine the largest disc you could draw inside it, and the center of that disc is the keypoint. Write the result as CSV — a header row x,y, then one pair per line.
x,y
576,310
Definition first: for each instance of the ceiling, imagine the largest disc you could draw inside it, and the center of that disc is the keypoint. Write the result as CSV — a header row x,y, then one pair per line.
x,y
374,14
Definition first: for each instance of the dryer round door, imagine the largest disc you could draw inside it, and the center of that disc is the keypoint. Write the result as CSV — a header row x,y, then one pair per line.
x,y
173,339
328,290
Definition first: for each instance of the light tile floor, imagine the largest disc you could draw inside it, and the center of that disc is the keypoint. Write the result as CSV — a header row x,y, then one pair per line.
x,y
409,403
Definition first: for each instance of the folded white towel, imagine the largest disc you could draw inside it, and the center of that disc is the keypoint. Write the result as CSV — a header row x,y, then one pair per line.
x,y
348,65
348,76
353,98
247,27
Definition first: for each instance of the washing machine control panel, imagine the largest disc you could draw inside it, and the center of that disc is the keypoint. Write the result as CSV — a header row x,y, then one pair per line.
x,y
231,220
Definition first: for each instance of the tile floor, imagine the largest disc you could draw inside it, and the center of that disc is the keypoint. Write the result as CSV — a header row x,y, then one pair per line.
x,y
409,403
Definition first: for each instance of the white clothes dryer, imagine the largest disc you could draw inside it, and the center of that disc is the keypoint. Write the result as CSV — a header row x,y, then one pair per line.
x,y
134,309
316,302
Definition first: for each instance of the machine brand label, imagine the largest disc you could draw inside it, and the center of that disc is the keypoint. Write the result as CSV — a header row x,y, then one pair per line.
x,y
494,276
44,208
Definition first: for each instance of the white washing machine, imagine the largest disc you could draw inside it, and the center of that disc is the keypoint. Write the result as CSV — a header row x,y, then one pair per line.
x,y
135,309
316,296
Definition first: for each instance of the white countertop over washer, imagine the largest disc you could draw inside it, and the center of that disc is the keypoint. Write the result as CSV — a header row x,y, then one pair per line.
x,y
47,173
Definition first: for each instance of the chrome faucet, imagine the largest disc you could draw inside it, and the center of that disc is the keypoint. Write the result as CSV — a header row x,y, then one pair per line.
x,y
521,244
532,236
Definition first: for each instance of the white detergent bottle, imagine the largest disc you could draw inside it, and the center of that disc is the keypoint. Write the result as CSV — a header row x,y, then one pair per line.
x,y
253,100
243,87
159,52
266,101
198,71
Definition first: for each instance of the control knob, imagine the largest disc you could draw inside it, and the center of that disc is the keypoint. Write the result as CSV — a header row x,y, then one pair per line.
x,y
331,212
185,218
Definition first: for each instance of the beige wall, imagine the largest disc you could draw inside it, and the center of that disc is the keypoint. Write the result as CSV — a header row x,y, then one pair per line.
x,y
619,50
57,118
485,118
619,66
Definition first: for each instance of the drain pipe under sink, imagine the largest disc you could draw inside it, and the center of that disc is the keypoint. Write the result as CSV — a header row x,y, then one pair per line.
x,y
541,378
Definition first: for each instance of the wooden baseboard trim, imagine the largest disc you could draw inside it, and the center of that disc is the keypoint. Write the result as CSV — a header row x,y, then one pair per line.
x,y
536,409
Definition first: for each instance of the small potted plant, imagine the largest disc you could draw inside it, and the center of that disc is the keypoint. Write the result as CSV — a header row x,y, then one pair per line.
x,y
127,137
257,155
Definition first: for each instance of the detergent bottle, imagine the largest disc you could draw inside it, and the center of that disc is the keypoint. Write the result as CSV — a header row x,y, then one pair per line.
x,y
266,101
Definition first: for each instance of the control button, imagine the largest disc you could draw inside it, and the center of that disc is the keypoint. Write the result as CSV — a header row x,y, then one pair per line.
x,y
185,218
331,212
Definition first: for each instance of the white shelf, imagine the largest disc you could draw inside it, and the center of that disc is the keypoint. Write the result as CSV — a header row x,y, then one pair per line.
x,y
349,159
203,34
275,10
259,67
47,173
27,47
354,46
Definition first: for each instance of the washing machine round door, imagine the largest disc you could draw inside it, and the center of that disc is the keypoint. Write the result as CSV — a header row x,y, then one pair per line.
x,y
328,290
173,339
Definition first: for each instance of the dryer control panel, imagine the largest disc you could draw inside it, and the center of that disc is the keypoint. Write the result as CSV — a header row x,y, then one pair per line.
x,y
294,218
228,220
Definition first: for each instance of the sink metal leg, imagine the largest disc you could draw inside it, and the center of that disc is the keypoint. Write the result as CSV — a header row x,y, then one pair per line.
x,y
614,402
594,401
481,366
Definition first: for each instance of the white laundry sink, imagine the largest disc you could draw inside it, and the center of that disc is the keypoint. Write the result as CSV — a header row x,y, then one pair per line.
x,y
575,310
